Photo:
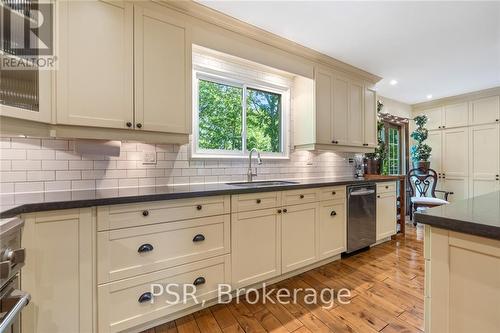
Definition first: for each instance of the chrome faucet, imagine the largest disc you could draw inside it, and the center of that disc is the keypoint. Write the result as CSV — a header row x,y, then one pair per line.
x,y
250,173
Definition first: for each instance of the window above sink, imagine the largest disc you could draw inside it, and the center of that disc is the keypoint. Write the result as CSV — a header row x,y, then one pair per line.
x,y
237,106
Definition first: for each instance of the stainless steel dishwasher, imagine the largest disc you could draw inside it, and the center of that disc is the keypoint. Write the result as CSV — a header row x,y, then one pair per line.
x,y
361,216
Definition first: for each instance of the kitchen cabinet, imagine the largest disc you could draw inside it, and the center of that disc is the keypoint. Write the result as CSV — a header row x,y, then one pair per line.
x,y
455,152
434,118
144,83
59,271
162,60
255,246
299,236
485,110
455,115
484,159
434,140
341,116
95,78
332,228
386,213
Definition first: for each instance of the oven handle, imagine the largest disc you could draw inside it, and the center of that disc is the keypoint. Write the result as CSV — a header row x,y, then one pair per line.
x,y
361,192
11,316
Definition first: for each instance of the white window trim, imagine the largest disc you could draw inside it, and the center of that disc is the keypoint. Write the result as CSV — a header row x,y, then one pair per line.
x,y
243,82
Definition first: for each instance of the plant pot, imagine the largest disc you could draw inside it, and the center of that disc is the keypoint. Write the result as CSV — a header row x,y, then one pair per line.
x,y
372,167
422,166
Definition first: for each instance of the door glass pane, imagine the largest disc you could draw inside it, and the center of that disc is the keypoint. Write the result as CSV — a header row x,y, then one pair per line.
x,y
394,153
263,120
220,109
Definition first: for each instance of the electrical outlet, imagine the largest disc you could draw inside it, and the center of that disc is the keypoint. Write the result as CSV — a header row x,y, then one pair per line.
x,y
149,157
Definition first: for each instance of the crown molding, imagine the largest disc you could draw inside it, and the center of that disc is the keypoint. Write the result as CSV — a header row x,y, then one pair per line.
x,y
495,91
227,22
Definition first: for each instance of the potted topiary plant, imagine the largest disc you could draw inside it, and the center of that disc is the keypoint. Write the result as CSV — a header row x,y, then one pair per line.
x,y
420,152
376,162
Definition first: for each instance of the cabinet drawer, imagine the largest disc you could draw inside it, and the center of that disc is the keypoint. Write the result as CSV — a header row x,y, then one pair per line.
x,y
118,302
255,201
295,197
129,252
144,213
332,193
387,187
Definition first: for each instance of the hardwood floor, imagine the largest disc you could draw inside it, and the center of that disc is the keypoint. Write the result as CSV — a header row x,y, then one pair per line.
x,y
387,284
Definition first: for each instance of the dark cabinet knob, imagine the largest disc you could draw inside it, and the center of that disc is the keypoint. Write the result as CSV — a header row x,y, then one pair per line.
x,y
146,297
199,207
378,196
199,238
279,211
497,120
386,187
258,201
199,281
333,213
145,248
335,141
333,192
138,125
302,196
365,144
285,210
129,124
145,213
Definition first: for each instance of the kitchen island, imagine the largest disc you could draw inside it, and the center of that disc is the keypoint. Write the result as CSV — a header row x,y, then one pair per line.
x,y
462,265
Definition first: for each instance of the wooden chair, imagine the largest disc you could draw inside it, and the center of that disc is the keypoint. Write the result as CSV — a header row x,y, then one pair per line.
x,y
423,190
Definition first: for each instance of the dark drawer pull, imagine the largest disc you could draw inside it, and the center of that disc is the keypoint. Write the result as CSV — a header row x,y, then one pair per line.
x,y
333,193
333,213
285,210
387,187
258,201
145,248
199,238
129,124
199,207
302,196
279,211
146,297
139,125
378,196
145,213
198,281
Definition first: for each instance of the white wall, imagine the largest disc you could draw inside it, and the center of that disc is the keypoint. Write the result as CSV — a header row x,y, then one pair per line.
x,y
395,108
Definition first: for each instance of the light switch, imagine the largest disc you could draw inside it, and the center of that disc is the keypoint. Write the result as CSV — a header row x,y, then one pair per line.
x,y
149,157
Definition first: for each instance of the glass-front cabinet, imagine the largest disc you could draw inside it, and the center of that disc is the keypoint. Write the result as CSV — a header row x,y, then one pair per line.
x,y
27,59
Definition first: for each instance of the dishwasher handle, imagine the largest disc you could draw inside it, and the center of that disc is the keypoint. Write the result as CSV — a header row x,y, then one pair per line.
x,y
362,192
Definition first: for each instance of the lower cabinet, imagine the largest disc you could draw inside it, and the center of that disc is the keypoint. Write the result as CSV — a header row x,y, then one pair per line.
x,y
299,236
386,215
255,246
332,228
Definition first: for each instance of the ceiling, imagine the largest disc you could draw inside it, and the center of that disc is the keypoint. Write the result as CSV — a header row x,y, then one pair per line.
x,y
430,48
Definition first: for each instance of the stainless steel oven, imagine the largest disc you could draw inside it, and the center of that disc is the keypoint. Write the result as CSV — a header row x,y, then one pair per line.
x,y
12,299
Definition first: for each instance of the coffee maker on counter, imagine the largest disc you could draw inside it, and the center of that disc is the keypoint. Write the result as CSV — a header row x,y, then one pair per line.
x,y
359,166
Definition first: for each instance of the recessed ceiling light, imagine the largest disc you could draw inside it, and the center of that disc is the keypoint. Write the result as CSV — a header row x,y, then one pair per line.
x,y
429,96
393,82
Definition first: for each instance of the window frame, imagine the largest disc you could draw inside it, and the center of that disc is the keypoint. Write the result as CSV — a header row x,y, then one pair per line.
x,y
240,81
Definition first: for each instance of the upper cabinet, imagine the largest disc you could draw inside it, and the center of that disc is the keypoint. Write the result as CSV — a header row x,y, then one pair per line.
x,y
343,111
485,110
434,118
162,66
113,51
455,115
95,76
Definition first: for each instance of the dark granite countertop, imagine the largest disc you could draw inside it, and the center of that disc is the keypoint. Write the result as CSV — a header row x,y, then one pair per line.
x,y
169,192
478,216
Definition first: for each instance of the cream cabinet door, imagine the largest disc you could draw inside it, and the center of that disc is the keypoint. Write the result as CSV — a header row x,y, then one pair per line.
x,y
435,118
386,215
340,111
456,115
332,228
458,185
299,236
59,272
455,152
355,116
434,140
162,70
95,76
485,110
484,158
255,246
324,105
370,118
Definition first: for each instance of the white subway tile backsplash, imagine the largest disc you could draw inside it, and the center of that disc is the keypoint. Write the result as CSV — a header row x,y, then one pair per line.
x,y
55,170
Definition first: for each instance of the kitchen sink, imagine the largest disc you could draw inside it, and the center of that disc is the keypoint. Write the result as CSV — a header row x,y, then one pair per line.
x,y
263,183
